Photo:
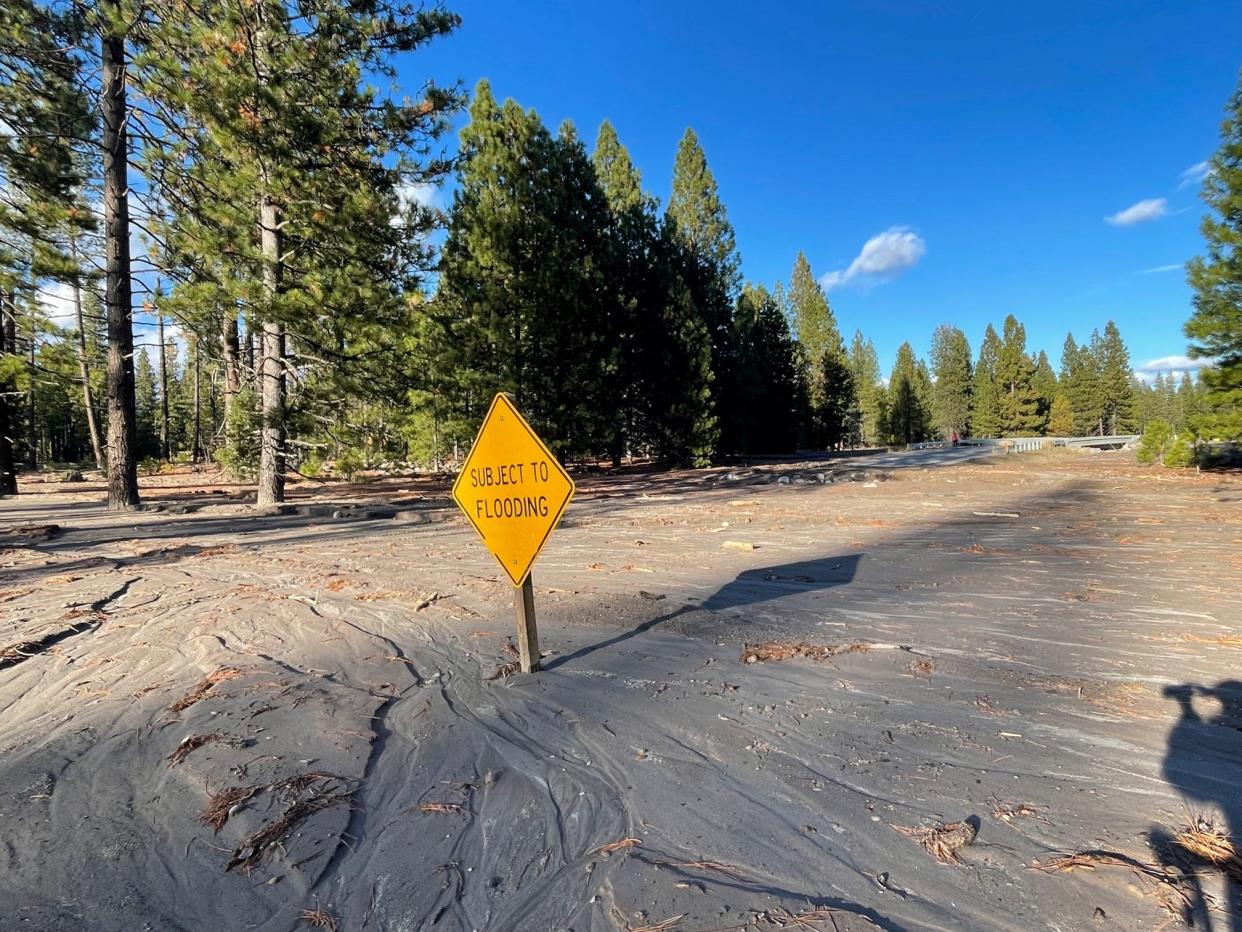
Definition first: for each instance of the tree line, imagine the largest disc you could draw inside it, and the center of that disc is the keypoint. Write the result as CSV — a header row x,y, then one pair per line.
x,y
280,200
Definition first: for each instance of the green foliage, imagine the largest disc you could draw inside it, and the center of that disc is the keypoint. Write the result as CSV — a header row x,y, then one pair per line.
x,y
908,390
1180,452
1112,362
953,388
1017,400
1060,417
770,382
985,415
1215,328
865,373
1155,439
238,451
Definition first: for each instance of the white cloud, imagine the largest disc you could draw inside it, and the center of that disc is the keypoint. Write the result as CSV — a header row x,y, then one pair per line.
x,y
1175,363
1194,174
57,303
883,257
421,193
1174,267
1153,208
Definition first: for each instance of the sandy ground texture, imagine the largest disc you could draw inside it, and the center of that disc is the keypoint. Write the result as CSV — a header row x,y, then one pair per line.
x,y
772,696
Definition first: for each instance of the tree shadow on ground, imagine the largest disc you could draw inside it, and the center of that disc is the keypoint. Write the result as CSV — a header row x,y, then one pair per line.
x,y
769,583
1204,763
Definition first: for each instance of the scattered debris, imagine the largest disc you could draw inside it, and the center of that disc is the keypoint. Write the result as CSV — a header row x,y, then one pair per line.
x,y
326,791
996,514
738,545
725,870
654,597
319,918
223,805
670,923
203,687
449,808
1207,841
192,743
921,667
786,650
30,532
1008,812
943,840
617,845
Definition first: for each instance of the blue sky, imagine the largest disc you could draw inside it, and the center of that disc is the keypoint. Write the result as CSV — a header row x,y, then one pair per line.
x,y
984,144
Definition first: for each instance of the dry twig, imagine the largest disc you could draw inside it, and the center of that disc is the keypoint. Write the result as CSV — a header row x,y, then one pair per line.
x,y
617,845
203,687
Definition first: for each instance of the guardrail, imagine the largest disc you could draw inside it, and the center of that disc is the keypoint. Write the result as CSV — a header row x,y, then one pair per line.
x,y
1029,444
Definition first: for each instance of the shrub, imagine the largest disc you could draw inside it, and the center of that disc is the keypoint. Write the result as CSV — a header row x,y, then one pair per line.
x,y
1180,451
1152,444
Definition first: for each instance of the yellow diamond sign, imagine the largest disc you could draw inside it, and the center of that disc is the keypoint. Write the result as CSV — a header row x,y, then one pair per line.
x,y
512,489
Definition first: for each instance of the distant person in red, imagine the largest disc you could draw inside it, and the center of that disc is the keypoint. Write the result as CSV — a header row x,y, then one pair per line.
x,y
954,438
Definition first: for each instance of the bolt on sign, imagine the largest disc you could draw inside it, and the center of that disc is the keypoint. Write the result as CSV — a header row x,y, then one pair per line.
x,y
512,489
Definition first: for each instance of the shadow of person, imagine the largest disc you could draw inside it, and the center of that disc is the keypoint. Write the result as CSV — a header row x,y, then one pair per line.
x,y
1203,761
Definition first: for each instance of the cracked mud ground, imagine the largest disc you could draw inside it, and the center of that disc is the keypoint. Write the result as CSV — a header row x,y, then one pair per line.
x,y
215,719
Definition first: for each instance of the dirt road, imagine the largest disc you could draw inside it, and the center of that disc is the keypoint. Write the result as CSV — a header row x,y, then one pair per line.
x,y
213,719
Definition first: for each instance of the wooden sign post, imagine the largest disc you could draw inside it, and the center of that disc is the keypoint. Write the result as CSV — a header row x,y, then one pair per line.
x,y
513,491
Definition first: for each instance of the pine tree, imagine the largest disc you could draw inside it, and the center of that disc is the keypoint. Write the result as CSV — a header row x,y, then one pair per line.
x,y
49,131
284,169
709,266
985,415
770,380
951,393
1044,381
1080,381
523,296
817,332
1112,361
1215,328
865,374
1017,401
1060,418
907,414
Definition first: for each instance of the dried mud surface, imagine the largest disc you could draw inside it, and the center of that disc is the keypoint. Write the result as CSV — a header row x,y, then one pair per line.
x,y
764,690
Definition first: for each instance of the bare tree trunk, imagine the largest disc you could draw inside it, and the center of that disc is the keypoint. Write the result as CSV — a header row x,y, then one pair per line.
x,y
122,414
32,438
8,467
165,450
250,351
196,446
231,351
272,368
84,366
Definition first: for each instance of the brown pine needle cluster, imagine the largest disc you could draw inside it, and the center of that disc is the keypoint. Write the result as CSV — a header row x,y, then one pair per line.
x,y
203,687
1207,841
450,808
787,650
944,839
319,918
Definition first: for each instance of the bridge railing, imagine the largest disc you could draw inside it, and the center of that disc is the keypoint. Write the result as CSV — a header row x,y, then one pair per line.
x,y
1030,444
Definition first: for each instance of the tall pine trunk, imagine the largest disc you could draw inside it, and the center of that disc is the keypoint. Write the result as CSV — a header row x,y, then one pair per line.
x,y
196,446
32,446
271,367
84,369
165,448
8,466
230,347
122,409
